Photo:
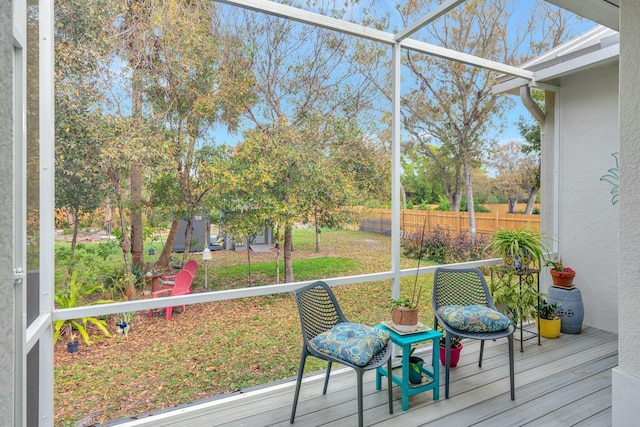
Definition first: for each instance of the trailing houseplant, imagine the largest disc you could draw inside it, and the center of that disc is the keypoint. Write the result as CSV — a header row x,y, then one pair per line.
x,y
519,248
560,274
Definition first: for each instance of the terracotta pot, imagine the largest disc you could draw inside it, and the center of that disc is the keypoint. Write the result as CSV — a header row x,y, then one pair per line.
x,y
562,278
454,358
404,319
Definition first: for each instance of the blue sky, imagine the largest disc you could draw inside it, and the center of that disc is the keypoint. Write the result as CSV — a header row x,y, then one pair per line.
x,y
522,11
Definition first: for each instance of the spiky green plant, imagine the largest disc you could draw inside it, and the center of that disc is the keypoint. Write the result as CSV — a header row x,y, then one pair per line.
x,y
71,297
525,243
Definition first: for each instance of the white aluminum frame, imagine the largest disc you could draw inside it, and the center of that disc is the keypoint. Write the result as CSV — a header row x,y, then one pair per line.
x,y
19,204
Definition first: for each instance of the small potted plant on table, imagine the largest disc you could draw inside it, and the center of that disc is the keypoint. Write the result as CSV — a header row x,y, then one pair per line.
x,y
550,322
404,315
562,276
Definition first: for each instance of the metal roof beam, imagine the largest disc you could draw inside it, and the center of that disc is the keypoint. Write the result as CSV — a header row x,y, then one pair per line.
x,y
428,18
319,20
465,58
311,18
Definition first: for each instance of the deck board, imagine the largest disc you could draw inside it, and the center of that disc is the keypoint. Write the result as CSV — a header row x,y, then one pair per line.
x,y
565,381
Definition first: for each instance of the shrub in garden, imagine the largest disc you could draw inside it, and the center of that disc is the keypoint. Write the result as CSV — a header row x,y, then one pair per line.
x,y
441,247
464,249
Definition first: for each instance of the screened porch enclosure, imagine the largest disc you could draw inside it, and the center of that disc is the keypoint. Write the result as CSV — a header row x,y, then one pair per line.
x,y
35,391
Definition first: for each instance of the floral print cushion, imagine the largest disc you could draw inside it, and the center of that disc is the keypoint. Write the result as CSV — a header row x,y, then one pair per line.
x,y
352,342
474,318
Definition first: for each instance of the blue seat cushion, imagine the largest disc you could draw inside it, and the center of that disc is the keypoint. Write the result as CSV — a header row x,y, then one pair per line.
x,y
474,318
351,342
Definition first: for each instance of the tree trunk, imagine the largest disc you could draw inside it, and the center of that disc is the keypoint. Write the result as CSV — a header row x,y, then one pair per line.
x,y
137,249
187,241
471,209
403,198
288,261
71,218
454,200
317,231
531,201
163,259
136,181
107,216
277,245
125,245
511,201
249,262
74,240
277,262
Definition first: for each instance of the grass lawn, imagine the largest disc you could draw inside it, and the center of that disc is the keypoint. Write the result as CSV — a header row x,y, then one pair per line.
x,y
221,347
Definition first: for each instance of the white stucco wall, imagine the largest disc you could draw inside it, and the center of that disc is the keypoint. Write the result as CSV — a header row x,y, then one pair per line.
x,y
587,221
7,312
626,377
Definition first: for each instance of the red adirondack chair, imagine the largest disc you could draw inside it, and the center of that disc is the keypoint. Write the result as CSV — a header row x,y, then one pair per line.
x,y
182,286
190,266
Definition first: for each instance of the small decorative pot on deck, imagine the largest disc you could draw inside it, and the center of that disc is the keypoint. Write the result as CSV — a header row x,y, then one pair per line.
x,y
455,355
562,278
549,328
415,366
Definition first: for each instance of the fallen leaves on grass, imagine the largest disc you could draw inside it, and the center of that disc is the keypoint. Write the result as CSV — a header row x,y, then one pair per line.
x,y
211,349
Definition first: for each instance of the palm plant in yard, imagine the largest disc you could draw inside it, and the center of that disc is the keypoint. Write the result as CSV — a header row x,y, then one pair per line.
x,y
70,297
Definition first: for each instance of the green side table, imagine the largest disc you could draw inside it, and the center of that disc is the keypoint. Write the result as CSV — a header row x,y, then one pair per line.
x,y
400,375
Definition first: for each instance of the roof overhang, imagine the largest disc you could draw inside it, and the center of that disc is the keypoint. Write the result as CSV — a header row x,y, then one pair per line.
x,y
596,47
603,12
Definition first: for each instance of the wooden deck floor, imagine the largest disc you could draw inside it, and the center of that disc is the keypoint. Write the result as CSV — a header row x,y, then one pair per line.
x,y
563,382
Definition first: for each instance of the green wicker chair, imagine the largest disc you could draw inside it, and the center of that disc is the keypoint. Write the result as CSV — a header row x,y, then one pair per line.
x,y
466,287
319,312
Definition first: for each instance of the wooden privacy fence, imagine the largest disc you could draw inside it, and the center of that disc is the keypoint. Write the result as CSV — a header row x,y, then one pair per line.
x,y
379,221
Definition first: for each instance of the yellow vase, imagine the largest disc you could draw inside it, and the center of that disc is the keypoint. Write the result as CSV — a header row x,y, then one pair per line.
x,y
549,328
